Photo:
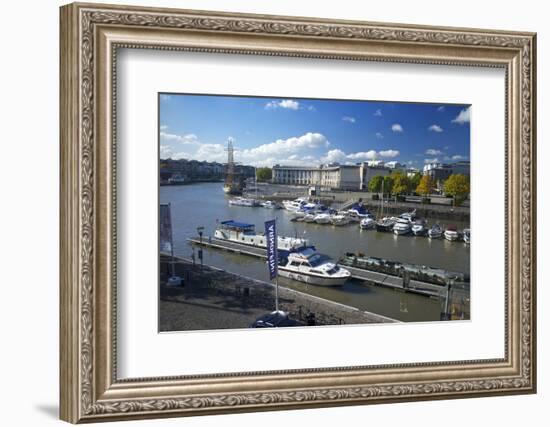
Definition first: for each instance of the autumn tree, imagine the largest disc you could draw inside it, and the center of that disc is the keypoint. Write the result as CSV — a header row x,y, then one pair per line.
x,y
400,184
263,174
414,181
457,186
426,186
375,184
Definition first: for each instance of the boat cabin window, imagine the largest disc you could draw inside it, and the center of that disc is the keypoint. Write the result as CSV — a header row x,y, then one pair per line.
x,y
333,270
295,263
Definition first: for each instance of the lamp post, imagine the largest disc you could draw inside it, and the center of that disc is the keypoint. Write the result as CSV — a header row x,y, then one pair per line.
x,y
200,230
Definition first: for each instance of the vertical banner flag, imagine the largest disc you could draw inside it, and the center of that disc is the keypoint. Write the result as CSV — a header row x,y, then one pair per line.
x,y
165,229
271,236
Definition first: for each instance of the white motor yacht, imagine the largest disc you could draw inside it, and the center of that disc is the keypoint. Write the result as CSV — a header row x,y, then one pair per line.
x,y
270,205
419,228
242,201
245,234
323,218
309,217
451,234
340,219
410,216
310,267
367,223
402,226
435,232
294,205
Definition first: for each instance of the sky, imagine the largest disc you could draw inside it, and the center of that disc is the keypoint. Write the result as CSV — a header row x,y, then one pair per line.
x,y
308,132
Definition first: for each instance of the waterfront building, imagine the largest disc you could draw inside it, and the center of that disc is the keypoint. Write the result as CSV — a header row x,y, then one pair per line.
x,y
439,172
370,169
195,170
333,176
412,172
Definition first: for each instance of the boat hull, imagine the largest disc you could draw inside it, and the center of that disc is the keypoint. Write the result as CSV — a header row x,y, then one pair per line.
x,y
384,227
311,279
401,232
421,232
451,237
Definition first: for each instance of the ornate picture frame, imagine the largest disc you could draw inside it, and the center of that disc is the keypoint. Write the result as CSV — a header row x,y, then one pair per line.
x,y
90,37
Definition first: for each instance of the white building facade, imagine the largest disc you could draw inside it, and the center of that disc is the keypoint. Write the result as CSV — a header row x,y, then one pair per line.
x,y
342,177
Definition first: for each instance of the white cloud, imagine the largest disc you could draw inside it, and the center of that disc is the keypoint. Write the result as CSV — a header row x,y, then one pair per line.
x,y
458,157
396,127
434,160
441,108
379,135
371,154
433,152
285,103
348,119
183,139
163,127
388,153
165,151
337,155
281,150
165,97
463,117
435,128
378,113
311,108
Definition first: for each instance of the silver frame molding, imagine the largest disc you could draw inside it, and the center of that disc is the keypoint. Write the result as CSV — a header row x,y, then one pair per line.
x,y
90,37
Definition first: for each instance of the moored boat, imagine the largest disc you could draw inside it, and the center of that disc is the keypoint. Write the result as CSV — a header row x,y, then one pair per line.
x,y
294,205
270,205
385,224
323,218
402,226
451,233
358,212
410,216
243,201
308,266
340,219
245,234
367,223
435,232
309,217
422,273
466,235
419,228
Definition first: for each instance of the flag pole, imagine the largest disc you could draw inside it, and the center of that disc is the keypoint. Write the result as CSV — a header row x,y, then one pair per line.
x,y
277,293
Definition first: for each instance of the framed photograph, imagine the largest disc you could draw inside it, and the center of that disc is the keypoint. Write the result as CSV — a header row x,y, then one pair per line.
x,y
266,212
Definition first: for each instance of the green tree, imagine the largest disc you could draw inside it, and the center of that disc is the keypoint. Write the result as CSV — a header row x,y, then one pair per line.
x,y
414,181
387,184
426,186
375,184
263,174
400,184
457,186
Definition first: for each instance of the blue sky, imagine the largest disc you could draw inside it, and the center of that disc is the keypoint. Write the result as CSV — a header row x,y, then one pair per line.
x,y
293,131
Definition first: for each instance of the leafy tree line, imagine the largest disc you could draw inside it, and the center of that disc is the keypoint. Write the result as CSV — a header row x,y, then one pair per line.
x,y
263,174
397,184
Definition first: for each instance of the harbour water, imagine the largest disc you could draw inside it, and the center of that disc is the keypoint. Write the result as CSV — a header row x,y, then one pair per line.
x,y
202,205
